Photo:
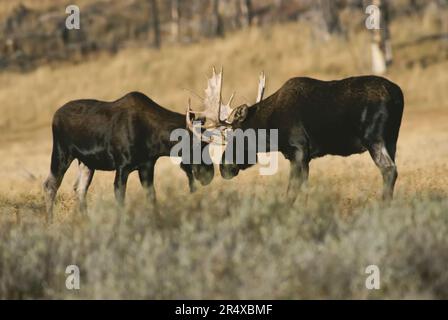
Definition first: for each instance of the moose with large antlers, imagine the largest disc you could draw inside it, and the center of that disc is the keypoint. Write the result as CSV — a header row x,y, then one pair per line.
x,y
316,118
125,135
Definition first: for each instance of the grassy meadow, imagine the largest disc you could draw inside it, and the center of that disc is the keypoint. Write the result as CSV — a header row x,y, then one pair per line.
x,y
233,239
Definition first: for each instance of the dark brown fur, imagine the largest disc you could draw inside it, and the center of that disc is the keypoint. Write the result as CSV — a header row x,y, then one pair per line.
x,y
317,118
128,134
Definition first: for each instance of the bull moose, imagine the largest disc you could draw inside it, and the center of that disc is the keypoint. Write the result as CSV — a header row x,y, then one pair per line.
x,y
315,118
125,135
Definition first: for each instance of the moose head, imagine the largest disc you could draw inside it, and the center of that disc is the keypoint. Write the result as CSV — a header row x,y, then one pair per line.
x,y
218,121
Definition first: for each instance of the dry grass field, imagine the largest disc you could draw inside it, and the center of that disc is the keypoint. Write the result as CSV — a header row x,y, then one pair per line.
x,y
232,239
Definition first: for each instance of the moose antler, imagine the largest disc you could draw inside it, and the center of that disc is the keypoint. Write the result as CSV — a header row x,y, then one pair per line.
x,y
190,125
215,111
216,114
209,135
261,87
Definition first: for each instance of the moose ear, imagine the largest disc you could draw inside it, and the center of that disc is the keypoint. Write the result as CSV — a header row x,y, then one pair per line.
x,y
239,114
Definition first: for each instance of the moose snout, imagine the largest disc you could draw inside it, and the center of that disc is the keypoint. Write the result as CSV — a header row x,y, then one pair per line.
x,y
203,173
228,171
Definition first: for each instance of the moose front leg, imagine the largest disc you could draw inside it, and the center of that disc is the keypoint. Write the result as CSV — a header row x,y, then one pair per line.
x,y
189,172
121,179
298,174
146,175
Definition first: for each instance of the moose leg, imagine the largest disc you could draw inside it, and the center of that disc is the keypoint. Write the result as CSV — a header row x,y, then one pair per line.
x,y
188,171
60,161
82,185
298,174
387,166
146,175
121,180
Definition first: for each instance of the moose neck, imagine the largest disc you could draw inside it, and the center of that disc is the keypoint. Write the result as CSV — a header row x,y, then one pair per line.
x,y
177,121
258,115
163,121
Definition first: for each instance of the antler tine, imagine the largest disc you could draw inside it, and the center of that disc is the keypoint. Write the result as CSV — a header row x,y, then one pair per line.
x,y
219,113
231,99
188,113
261,86
194,93
215,110
220,88
220,93
191,127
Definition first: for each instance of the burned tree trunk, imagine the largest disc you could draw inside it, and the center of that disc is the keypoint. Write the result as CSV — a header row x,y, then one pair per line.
x,y
330,15
381,44
218,28
437,12
155,23
175,19
243,13
414,5
246,10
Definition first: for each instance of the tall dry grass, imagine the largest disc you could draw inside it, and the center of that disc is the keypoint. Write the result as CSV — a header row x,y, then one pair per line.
x,y
238,238
235,247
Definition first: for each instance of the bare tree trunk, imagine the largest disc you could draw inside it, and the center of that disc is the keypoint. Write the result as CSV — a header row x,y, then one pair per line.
x,y
175,20
246,10
239,20
279,3
155,23
386,33
243,13
278,10
331,16
443,6
195,23
218,29
381,43
414,5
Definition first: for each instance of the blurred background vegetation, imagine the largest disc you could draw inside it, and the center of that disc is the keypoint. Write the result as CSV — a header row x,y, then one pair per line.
x,y
33,32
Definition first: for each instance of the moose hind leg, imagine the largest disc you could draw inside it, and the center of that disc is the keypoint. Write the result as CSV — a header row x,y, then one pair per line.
x,y
384,162
298,174
60,161
82,185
